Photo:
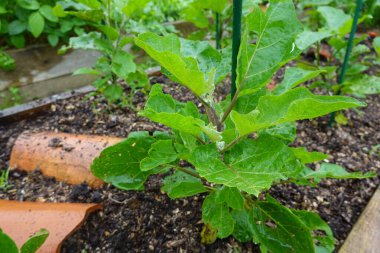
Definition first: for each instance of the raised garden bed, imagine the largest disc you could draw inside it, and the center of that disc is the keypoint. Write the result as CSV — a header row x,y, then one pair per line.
x,y
149,221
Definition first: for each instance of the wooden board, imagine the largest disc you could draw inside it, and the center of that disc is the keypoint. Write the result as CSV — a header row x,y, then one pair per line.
x,y
365,235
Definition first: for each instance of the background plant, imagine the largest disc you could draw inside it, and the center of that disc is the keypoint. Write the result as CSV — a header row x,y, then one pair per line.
x,y
233,151
25,22
331,25
30,246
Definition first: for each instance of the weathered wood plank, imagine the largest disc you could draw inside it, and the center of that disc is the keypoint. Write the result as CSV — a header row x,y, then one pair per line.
x,y
365,235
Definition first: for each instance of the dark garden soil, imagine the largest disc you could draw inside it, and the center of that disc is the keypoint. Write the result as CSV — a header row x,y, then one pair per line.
x,y
149,221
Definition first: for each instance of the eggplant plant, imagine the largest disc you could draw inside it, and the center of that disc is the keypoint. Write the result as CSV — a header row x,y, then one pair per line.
x,y
109,20
232,151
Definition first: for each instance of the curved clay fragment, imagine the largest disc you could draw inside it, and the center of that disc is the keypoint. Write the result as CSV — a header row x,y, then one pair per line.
x,y
20,220
67,157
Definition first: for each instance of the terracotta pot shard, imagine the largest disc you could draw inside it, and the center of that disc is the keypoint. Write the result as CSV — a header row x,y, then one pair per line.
x,y
67,157
20,220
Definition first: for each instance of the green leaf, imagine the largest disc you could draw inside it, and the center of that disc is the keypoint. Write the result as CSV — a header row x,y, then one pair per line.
x,y
16,27
296,104
160,153
308,157
181,185
244,225
133,7
53,40
337,21
193,64
7,63
7,244
123,64
86,71
323,243
286,132
120,164
92,40
18,40
258,62
113,92
218,216
59,11
328,170
35,242
295,76
36,24
93,4
162,108
109,31
363,85
47,12
279,230
250,166
214,5
307,38
231,196
195,16
376,45
28,4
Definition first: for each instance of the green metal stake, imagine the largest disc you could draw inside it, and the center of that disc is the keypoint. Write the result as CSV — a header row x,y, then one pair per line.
x,y
236,40
348,52
217,30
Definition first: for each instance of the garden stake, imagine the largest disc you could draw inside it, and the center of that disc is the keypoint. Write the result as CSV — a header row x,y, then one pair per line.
x,y
348,52
236,39
217,31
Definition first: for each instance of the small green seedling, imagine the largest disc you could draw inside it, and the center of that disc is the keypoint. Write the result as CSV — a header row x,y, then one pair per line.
x,y
7,245
4,175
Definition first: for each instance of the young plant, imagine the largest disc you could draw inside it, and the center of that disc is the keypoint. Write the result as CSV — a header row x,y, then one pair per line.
x,y
336,24
7,245
109,20
232,151
4,175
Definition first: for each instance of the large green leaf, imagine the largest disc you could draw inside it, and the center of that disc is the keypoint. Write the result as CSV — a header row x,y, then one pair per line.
x,y
161,152
120,164
251,165
323,243
295,76
88,41
193,64
35,242
133,7
218,216
180,185
276,30
296,104
279,230
164,109
7,244
244,223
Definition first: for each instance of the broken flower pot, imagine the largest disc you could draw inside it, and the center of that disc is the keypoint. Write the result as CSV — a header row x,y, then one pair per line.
x,y
20,220
66,157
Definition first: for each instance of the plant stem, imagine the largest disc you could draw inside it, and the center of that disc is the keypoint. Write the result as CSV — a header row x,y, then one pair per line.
x,y
230,106
232,143
217,31
191,173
